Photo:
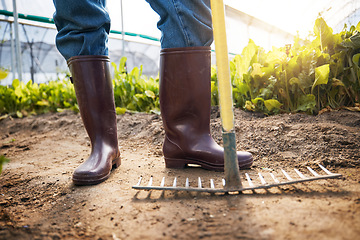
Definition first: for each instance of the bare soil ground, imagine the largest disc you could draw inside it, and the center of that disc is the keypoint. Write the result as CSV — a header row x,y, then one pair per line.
x,y
39,201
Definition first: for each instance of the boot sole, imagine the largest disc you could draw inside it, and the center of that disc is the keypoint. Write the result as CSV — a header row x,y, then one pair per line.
x,y
83,182
183,163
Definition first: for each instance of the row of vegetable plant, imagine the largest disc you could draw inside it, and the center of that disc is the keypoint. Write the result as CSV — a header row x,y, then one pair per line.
x,y
304,77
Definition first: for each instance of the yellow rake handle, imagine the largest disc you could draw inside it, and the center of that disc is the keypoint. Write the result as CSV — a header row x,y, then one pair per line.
x,y
231,166
222,62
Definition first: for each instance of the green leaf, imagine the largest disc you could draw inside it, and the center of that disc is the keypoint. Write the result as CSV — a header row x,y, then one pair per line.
x,y
135,73
3,74
265,93
249,106
356,59
306,103
122,63
352,42
321,75
4,116
15,83
243,88
114,66
270,104
66,104
3,160
324,33
257,70
156,111
294,80
256,100
244,61
43,102
355,39
150,94
19,114
268,71
120,111
337,82
292,67
276,56
18,92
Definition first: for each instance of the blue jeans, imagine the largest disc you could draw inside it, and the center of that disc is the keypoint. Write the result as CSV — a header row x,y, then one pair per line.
x,y
184,23
84,25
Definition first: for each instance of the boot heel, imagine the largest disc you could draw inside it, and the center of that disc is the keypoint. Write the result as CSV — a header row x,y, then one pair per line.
x,y
173,163
116,162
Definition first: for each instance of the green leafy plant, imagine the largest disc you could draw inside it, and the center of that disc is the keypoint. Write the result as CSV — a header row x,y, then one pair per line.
x,y
3,74
307,77
22,99
134,91
304,77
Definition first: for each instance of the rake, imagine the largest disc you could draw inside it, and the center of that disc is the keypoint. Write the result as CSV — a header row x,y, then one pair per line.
x,y
232,181
275,182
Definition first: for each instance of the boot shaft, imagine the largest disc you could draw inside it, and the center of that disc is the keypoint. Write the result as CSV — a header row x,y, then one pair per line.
x,y
185,89
95,96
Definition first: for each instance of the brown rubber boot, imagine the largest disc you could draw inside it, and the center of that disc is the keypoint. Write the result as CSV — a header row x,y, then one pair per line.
x,y
95,97
185,102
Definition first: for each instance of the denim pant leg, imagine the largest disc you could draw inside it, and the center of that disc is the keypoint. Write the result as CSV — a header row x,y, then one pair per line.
x,y
184,23
83,27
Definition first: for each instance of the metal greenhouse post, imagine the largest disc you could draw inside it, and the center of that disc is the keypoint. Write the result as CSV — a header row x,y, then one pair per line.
x,y
13,62
122,30
17,42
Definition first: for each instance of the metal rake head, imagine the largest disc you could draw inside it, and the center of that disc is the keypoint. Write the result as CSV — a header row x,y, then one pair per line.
x,y
251,185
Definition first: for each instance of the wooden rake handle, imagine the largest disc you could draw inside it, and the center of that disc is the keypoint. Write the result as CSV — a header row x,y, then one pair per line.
x,y
231,165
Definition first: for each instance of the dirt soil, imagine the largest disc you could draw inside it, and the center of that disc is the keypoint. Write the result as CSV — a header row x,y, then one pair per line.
x,y
39,201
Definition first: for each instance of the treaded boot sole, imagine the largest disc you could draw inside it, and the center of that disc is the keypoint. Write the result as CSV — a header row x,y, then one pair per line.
x,y
183,163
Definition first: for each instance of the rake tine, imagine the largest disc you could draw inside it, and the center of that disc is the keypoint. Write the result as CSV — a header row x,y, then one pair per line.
x,y
249,180
174,184
150,181
253,183
212,185
286,175
274,178
199,183
325,170
139,182
262,180
299,173
312,171
162,184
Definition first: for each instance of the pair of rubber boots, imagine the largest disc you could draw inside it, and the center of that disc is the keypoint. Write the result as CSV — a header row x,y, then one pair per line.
x,y
185,102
